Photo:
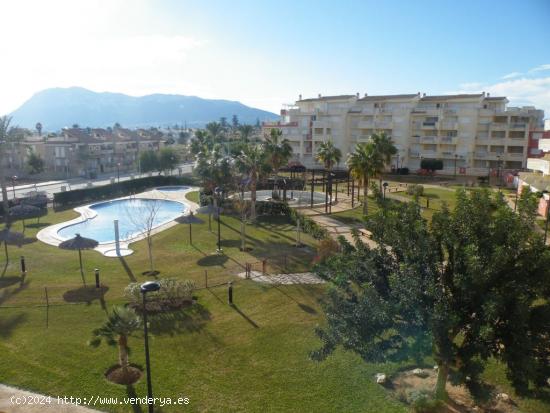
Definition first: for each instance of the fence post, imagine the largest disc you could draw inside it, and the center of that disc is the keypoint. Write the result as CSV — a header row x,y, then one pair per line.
x,y
23,266
47,307
264,265
206,278
284,263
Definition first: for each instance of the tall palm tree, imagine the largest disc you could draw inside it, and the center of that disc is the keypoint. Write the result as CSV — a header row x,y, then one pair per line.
x,y
216,131
251,162
4,134
385,149
120,325
278,152
363,164
39,128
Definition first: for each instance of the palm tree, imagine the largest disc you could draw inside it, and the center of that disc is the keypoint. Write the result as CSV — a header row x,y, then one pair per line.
x,y
363,164
245,131
251,162
5,131
120,325
215,130
278,152
329,155
385,149
39,128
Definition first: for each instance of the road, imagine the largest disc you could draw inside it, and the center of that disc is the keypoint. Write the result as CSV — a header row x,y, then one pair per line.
x,y
53,187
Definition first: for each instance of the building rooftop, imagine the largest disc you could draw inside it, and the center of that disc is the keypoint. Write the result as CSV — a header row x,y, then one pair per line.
x,y
388,97
321,98
452,97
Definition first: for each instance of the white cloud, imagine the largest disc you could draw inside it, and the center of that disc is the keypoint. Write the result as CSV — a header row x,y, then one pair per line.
x,y
524,91
511,75
540,68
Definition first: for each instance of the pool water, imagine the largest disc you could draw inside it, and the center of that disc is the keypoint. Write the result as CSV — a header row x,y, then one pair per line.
x,y
172,188
132,215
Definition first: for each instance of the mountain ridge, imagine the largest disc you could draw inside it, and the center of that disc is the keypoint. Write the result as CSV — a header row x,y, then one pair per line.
x,y
56,108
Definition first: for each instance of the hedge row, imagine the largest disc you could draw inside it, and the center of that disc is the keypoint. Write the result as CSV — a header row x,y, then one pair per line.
x,y
80,196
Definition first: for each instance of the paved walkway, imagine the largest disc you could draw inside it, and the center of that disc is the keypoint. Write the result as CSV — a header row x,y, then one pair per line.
x,y
295,278
12,400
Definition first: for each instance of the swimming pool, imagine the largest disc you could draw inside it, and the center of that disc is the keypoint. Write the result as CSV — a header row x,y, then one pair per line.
x,y
131,215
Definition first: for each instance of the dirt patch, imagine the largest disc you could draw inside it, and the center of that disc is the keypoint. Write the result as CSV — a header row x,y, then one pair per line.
x,y
409,385
117,375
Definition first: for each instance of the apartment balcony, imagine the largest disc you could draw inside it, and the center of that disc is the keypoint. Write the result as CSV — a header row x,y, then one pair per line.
x,y
448,154
446,125
365,124
515,155
448,140
499,126
429,125
320,124
518,126
481,154
428,139
383,125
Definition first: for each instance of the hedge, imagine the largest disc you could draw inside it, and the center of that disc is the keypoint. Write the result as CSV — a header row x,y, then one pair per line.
x,y
80,196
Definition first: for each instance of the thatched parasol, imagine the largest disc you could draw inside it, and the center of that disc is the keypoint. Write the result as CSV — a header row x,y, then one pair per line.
x,y
10,237
24,211
189,219
79,243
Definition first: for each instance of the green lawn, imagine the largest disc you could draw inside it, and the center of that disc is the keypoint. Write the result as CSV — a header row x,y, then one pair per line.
x,y
193,196
252,357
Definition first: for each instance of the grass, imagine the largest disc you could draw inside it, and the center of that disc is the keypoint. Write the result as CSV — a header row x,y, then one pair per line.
x,y
193,196
240,358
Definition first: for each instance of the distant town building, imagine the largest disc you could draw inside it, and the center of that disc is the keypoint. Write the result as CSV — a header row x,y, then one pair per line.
x,y
471,132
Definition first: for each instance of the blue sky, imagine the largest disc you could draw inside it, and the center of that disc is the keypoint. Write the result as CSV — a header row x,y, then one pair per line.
x,y
265,53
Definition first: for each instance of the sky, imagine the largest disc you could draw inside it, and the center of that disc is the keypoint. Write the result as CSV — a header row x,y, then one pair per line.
x,y
265,53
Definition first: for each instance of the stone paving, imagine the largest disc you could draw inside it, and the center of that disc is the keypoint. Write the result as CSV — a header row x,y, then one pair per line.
x,y
287,279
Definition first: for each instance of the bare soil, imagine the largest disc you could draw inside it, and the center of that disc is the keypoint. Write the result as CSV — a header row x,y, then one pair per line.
x,y
116,375
460,400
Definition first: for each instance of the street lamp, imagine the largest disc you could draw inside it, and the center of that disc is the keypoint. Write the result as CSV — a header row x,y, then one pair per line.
x,y
118,172
148,287
385,186
218,191
13,179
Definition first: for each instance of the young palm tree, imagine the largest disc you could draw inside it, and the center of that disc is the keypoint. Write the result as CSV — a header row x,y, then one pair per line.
x,y
120,325
251,162
363,164
5,131
278,150
385,149
329,155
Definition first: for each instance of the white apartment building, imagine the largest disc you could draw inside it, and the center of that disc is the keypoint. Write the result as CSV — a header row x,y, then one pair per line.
x,y
472,131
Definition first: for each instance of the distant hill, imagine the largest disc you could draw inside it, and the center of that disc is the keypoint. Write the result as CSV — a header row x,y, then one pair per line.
x,y
60,107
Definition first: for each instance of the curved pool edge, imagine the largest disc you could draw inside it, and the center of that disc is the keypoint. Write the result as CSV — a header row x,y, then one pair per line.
x,y
49,234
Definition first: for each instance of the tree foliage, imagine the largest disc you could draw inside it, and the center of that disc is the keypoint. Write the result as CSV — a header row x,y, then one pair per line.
x,y
168,159
473,285
149,161
35,163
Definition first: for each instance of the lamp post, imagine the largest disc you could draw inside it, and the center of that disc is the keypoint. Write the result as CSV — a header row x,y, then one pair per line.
x,y
385,186
456,156
13,179
218,191
147,287
118,172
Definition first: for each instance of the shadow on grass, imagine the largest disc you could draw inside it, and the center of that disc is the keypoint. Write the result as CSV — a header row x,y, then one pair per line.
x,y
127,269
131,393
7,281
151,273
243,315
307,308
38,225
185,320
213,260
5,295
8,324
85,294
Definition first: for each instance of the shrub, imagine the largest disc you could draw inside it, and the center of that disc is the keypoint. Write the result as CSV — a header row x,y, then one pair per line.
x,y
431,164
173,294
415,190
327,247
80,196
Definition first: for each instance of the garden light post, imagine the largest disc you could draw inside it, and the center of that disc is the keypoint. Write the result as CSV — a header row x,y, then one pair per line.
x,y
516,201
498,172
13,179
218,192
118,172
147,287
456,156
385,186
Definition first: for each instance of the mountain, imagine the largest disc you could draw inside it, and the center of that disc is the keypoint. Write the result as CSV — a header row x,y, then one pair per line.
x,y
60,107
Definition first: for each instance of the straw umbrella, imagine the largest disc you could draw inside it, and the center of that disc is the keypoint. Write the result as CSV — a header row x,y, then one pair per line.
x,y
79,243
9,237
189,219
24,211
